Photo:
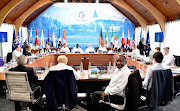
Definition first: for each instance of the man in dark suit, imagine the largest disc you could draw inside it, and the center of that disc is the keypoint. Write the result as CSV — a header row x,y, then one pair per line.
x,y
21,61
141,46
26,51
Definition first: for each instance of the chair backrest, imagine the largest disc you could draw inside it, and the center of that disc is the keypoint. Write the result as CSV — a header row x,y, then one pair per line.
x,y
132,93
60,88
162,88
18,86
9,57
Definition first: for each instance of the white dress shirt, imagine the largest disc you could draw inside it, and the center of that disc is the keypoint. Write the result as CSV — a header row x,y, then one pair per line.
x,y
168,60
36,47
118,82
75,49
136,52
16,54
89,50
66,50
103,49
62,66
117,43
148,77
106,45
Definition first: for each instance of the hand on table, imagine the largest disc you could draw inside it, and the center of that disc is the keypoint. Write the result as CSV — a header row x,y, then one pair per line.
x,y
103,96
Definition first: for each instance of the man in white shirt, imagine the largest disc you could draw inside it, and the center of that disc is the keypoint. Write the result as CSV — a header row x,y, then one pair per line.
x,y
102,48
62,65
106,44
117,84
168,58
35,46
90,49
157,65
65,49
77,49
117,43
17,52
135,51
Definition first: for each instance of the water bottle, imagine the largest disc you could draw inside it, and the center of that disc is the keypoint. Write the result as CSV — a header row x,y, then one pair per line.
x,y
46,65
50,64
81,66
114,66
89,67
109,68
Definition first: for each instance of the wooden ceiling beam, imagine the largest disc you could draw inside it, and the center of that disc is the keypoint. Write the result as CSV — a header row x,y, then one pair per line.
x,y
178,1
6,9
140,19
18,22
161,19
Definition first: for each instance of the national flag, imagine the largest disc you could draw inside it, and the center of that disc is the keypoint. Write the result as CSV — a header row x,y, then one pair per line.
x,y
21,39
106,37
15,41
148,38
112,38
118,34
48,39
134,42
59,38
36,38
64,37
123,40
42,39
141,34
100,39
31,39
128,43
53,43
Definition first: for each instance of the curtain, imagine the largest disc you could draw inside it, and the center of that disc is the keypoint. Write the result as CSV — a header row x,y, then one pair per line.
x,y
7,46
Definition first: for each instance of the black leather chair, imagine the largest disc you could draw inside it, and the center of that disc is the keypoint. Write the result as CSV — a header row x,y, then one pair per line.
x,y
162,89
132,98
60,90
9,57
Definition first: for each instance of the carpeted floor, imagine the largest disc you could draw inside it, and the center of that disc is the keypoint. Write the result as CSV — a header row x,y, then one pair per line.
x,y
6,105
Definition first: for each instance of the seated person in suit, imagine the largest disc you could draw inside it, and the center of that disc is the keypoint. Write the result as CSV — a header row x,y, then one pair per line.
x,y
157,65
17,52
117,84
60,44
147,50
168,58
24,45
106,44
89,49
65,49
27,51
102,48
21,61
35,46
77,49
62,65
158,49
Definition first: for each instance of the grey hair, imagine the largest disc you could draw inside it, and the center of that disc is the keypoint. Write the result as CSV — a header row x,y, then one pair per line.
x,y
166,48
21,60
62,59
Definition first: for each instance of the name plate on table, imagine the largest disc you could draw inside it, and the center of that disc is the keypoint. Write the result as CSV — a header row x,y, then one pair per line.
x,y
62,52
91,52
77,52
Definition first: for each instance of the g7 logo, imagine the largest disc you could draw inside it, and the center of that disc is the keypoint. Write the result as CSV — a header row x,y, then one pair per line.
x,y
81,15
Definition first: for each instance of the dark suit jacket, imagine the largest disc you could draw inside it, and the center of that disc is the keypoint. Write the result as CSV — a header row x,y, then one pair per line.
x,y
26,53
141,47
30,73
60,88
162,88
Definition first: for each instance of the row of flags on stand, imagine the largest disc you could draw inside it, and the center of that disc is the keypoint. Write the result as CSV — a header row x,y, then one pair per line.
x,y
42,42
18,40
128,42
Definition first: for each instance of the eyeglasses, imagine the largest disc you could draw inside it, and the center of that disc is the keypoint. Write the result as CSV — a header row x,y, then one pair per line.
x,y
119,62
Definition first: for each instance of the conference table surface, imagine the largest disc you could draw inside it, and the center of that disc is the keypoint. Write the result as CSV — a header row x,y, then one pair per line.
x,y
75,59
